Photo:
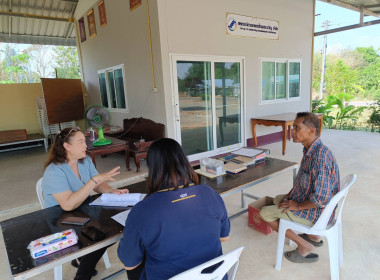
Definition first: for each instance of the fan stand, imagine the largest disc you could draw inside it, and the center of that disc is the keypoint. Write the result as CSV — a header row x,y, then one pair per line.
x,y
101,141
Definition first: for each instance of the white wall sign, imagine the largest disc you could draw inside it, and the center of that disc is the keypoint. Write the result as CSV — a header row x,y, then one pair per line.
x,y
238,25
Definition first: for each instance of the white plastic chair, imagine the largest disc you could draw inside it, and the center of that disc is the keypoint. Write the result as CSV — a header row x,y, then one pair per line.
x,y
58,269
332,231
228,260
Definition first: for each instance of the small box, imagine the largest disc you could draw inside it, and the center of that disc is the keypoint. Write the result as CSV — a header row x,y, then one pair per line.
x,y
212,166
52,243
254,219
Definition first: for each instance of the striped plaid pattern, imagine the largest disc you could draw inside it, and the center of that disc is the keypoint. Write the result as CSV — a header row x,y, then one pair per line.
x,y
317,180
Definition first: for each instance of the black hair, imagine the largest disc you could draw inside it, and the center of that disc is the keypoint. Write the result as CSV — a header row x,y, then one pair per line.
x,y
310,120
168,166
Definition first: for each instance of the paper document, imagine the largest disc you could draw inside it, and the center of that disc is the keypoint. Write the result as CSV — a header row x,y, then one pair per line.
x,y
118,200
121,217
247,152
132,197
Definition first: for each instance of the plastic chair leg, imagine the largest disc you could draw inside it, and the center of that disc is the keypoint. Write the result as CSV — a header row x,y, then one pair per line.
x,y
340,242
58,272
106,260
280,246
332,240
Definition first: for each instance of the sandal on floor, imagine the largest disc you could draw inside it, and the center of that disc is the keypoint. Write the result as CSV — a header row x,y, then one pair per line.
x,y
314,243
295,256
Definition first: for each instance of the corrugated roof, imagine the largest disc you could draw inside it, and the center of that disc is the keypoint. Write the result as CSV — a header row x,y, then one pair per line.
x,y
49,22
46,22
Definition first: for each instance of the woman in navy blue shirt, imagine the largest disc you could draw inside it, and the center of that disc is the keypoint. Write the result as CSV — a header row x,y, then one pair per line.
x,y
179,225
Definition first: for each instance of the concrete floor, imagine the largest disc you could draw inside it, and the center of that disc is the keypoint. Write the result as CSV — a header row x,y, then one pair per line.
x,y
356,152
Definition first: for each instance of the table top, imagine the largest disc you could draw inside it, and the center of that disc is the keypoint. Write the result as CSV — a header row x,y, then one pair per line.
x,y
278,117
115,143
18,232
286,117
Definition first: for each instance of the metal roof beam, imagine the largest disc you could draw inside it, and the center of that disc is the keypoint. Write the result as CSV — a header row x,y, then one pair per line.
x,y
351,7
368,23
14,14
34,39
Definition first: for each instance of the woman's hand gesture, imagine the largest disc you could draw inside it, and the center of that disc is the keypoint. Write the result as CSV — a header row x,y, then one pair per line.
x,y
106,176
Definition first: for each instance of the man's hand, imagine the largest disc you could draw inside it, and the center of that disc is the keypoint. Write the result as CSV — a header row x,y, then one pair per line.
x,y
289,205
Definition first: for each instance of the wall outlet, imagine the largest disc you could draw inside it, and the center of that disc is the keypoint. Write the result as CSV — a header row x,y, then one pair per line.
x,y
154,90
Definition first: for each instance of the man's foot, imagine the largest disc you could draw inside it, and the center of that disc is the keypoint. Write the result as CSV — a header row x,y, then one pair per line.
x,y
313,242
295,257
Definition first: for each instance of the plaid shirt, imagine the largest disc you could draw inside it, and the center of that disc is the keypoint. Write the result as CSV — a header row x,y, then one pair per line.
x,y
317,180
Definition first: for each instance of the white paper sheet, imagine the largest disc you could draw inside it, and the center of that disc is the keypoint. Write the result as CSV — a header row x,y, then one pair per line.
x,y
126,203
130,197
121,217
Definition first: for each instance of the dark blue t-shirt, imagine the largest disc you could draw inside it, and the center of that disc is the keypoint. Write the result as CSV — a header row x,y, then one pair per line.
x,y
177,230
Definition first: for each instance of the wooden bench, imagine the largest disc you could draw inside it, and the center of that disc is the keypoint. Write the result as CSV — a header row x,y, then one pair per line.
x,y
18,139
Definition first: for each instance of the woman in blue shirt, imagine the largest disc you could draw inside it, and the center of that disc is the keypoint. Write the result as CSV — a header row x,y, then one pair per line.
x,y
69,178
179,225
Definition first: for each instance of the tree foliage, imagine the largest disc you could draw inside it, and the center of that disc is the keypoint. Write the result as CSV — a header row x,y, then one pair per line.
x,y
350,74
36,61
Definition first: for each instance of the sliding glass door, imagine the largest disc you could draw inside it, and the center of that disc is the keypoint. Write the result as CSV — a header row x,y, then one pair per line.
x,y
208,95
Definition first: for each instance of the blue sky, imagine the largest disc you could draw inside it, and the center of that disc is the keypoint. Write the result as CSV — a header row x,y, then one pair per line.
x,y
350,39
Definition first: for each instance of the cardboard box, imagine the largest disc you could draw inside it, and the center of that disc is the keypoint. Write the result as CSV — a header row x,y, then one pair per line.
x,y
254,219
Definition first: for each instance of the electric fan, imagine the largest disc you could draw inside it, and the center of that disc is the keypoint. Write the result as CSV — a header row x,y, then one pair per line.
x,y
98,116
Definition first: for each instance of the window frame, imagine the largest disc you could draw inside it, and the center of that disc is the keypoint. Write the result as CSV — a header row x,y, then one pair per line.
x,y
212,59
105,71
275,61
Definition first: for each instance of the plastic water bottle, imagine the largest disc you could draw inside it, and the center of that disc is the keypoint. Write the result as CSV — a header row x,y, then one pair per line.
x,y
92,135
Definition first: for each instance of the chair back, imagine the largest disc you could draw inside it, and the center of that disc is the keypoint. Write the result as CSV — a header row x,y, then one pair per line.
x,y
206,271
336,203
39,192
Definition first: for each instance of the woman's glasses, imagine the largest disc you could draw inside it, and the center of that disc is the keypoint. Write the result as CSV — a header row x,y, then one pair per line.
x,y
75,129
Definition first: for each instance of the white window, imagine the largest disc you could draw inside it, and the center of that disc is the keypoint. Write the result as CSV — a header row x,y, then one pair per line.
x,y
280,79
112,88
209,103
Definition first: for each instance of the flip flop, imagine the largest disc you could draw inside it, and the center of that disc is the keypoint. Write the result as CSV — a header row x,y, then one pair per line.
x,y
314,243
295,256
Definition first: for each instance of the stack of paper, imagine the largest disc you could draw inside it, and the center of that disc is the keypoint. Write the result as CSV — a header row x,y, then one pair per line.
x,y
247,161
118,200
257,155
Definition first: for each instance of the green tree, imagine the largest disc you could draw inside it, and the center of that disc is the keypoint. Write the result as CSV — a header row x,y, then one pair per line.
x,y
67,62
369,54
341,80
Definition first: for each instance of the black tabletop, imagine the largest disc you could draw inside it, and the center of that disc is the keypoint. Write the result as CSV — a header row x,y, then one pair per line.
x,y
18,232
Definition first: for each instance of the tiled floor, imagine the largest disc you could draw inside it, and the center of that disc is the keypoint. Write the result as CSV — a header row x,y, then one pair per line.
x,y
356,152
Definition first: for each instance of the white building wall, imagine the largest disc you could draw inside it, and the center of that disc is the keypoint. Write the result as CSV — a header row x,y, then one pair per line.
x,y
199,27
193,27
124,40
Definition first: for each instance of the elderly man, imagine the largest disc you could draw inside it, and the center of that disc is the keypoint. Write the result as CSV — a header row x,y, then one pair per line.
x,y
316,183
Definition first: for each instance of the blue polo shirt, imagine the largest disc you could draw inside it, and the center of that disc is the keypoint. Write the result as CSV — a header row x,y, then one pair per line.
x,y
176,230
60,178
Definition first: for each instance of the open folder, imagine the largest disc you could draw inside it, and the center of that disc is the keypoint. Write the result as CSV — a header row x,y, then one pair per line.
x,y
118,200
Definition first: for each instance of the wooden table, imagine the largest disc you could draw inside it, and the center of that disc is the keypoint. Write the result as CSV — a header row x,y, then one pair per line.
x,y
285,120
116,146
18,232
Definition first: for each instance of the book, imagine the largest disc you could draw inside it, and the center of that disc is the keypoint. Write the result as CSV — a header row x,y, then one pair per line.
x,y
247,161
232,167
247,152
